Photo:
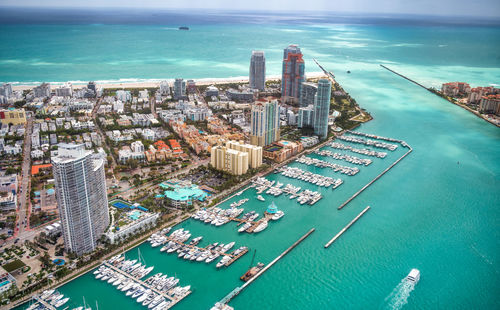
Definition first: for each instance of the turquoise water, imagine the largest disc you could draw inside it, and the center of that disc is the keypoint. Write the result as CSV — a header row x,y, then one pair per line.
x,y
437,210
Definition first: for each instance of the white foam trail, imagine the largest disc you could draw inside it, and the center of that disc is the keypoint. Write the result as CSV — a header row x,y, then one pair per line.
x,y
399,296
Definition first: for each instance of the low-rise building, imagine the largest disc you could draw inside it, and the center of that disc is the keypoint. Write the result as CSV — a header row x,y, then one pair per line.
x,y
182,193
309,141
282,150
12,116
132,222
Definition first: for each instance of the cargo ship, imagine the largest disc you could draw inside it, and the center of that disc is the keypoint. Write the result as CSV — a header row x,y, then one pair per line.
x,y
252,272
183,28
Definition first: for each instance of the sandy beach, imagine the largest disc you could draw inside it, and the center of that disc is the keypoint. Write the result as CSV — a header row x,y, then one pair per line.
x,y
155,83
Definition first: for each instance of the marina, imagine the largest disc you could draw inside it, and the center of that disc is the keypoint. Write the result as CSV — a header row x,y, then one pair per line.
x,y
157,292
382,145
190,251
348,158
346,227
367,152
324,164
380,174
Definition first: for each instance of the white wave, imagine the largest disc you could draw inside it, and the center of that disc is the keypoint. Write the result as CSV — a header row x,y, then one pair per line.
x,y
399,295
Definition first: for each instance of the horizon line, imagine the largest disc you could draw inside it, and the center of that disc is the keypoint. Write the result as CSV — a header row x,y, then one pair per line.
x,y
295,12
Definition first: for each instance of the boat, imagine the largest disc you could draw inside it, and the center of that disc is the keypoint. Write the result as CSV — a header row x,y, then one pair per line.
x,y
143,297
61,302
47,293
261,198
183,28
413,276
244,227
252,272
261,227
278,215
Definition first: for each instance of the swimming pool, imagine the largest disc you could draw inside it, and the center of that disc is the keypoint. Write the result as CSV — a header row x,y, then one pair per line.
x,y
134,215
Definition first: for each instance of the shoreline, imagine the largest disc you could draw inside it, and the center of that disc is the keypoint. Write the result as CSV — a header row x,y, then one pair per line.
x,y
153,83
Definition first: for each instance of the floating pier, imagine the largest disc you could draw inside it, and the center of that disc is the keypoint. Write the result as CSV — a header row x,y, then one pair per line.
x,y
347,227
237,290
381,174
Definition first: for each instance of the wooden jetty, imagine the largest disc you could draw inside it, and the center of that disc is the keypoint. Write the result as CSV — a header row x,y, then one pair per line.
x,y
347,227
235,258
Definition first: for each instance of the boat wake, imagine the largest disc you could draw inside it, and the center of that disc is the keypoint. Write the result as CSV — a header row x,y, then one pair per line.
x,y
399,296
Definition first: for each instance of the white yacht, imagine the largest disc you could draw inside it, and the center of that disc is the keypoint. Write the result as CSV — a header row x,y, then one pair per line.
x,y
261,198
261,227
413,276
278,215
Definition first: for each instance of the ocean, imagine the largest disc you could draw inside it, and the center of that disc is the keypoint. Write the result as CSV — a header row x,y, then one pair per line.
x,y
437,210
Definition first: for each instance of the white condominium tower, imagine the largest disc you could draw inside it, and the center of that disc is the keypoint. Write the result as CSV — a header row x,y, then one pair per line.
x,y
81,197
258,70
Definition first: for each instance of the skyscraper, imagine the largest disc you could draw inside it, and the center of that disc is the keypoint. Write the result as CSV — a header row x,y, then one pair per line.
x,y
258,70
322,108
81,197
307,93
265,123
179,89
293,74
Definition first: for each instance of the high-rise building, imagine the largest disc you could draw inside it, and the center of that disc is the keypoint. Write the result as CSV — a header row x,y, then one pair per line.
x,y
306,117
179,89
66,90
81,195
42,91
265,123
258,70
229,160
254,152
293,74
91,85
164,88
307,93
322,108
6,90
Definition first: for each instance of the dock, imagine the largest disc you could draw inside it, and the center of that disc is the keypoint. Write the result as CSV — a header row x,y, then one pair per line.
x,y
379,175
44,303
346,227
173,300
235,258
237,290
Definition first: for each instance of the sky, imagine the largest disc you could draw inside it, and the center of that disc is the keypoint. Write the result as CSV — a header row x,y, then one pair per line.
x,y
490,8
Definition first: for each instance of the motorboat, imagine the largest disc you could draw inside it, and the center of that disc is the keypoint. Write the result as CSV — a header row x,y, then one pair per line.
x,y
413,276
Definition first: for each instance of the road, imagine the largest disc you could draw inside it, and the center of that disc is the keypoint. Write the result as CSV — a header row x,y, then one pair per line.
x,y
24,203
